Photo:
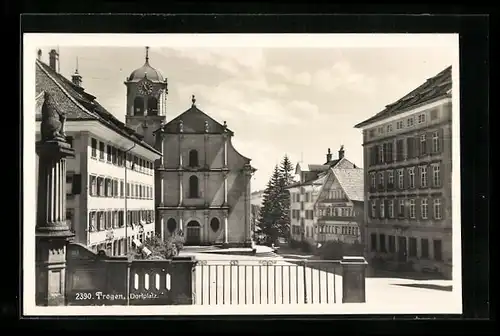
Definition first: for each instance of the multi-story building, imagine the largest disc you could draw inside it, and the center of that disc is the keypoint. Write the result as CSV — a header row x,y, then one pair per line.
x,y
202,181
325,203
110,181
407,155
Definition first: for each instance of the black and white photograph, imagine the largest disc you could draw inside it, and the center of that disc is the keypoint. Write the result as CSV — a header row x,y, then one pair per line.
x,y
185,174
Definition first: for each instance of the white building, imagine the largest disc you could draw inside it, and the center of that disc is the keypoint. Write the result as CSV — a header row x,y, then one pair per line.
x,y
111,178
326,203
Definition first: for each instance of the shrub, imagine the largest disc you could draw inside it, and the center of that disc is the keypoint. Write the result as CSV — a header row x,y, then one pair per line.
x,y
161,249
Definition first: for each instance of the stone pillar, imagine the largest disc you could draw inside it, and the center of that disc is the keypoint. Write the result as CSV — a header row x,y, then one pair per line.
x,y
225,228
162,224
206,158
225,151
353,279
225,188
52,231
205,189
181,191
206,227
181,137
181,221
248,171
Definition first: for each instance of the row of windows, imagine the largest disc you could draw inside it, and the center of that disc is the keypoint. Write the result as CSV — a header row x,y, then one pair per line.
x,y
110,187
214,224
336,229
419,208
296,197
411,250
406,123
408,148
335,194
406,178
113,219
335,211
118,157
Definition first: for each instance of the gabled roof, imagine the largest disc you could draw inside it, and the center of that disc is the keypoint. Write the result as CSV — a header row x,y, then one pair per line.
x,y
318,168
352,182
80,105
318,172
434,88
193,120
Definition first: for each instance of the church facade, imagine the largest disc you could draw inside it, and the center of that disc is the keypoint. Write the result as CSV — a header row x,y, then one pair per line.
x,y
202,182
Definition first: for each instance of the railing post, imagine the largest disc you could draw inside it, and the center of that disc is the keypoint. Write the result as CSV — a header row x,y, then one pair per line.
x,y
182,281
353,279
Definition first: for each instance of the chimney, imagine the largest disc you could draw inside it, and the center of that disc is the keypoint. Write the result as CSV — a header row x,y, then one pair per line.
x,y
53,59
341,152
328,156
39,54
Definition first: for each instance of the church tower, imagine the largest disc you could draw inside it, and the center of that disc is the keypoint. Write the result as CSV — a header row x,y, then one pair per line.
x,y
146,100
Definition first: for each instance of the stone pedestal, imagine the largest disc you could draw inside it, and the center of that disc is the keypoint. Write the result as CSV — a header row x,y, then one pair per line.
x,y
353,279
52,231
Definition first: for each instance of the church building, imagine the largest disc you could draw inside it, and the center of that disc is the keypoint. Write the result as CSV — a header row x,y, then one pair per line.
x,y
202,182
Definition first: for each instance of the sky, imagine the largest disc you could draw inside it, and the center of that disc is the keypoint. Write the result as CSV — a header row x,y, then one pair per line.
x,y
277,101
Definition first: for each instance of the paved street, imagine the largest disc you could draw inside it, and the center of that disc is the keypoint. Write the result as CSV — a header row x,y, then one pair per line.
x,y
229,279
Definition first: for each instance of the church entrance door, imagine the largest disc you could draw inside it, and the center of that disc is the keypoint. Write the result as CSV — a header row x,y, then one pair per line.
x,y
193,233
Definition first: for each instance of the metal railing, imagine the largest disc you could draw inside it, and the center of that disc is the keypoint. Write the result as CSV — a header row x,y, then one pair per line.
x,y
266,281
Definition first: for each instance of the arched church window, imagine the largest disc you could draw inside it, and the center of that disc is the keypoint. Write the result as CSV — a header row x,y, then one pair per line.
x,y
152,106
138,106
193,187
171,225
215,224
193,158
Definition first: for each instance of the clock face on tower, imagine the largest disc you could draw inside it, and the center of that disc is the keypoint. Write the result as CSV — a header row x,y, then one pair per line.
x,y
145,88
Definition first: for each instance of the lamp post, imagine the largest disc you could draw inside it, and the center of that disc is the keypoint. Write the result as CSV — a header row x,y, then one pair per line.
x,y
126,194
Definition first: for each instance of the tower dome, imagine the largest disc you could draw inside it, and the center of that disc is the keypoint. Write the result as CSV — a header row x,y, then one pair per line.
x,y
146,71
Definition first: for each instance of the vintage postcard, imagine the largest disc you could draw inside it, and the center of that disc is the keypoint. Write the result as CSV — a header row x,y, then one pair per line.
x,y
183,174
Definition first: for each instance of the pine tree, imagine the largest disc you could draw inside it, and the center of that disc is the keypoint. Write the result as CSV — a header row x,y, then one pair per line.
x,y
270,212
286,178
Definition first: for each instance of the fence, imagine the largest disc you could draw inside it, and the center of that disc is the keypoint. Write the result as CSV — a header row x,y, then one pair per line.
x,y
93,279
266,281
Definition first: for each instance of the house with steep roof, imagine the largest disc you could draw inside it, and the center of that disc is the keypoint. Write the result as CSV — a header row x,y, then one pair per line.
x,y
110,181
408,176
310,201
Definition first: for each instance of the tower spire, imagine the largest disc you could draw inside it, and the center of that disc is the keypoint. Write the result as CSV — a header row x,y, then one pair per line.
x,y
147,54
76,70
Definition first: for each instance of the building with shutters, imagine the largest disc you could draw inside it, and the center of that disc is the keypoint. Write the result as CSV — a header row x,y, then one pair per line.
x,y
110,180
408,165
326,203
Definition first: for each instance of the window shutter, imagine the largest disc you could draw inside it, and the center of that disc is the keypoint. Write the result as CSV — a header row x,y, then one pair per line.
x,y
441,140
418,209
77,184
428,142
416,146
409,148
443,208
430,208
